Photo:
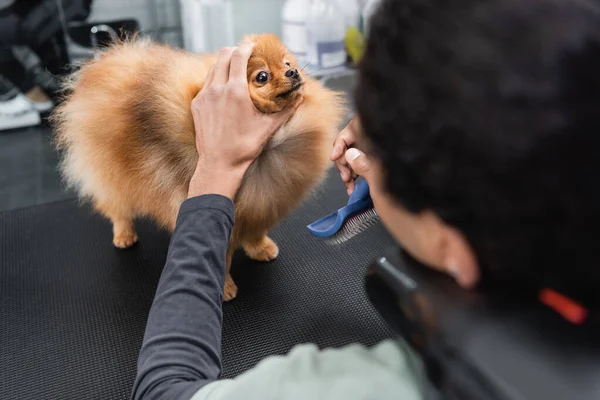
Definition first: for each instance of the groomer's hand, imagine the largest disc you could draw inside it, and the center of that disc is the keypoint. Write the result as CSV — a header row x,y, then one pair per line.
x,y
352,160
230,131
347,139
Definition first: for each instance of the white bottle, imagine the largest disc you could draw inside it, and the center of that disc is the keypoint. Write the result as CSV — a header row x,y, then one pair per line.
x,y
207,25
326,35
294,35
217,17
352,12
191,17
367,13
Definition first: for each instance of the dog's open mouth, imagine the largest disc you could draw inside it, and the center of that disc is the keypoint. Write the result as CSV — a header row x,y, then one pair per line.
x,y
292,90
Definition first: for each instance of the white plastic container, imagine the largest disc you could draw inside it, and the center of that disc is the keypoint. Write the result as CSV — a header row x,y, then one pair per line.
x,y
326,35
193,39
367,13
294,33
207,25
352,12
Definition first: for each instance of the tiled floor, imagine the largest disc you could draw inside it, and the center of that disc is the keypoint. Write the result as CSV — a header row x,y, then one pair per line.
x,y
28,164
28,169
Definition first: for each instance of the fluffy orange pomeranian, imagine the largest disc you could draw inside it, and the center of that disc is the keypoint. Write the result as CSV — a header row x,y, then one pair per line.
x,y
127,139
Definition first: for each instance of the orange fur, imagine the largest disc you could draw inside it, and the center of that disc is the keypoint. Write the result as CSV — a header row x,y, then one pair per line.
x,y
128,143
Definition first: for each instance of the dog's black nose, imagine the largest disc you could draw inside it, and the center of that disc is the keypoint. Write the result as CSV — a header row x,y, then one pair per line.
x,y
293,73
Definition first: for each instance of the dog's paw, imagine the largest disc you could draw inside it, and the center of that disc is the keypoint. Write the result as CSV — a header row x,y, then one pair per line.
x,y
231,290
265,250
125,241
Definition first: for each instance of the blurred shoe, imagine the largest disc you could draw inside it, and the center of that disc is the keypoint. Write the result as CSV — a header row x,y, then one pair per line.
x,y
39,100
17,112
41,107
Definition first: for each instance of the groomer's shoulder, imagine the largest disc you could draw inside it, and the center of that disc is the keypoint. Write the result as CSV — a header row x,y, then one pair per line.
x,y
389,370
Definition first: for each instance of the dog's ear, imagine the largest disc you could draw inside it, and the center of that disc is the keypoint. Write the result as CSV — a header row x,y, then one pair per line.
x,y
249,38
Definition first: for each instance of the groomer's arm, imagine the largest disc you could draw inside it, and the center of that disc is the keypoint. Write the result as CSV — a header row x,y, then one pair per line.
x,y
182,345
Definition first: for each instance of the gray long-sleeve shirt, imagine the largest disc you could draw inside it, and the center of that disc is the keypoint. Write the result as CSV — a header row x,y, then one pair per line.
x,y
180,354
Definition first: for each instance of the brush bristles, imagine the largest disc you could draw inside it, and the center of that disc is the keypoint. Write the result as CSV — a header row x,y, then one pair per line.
x,y
355,226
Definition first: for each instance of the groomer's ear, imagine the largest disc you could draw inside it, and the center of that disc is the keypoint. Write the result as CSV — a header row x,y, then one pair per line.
x,y
453,252
459,259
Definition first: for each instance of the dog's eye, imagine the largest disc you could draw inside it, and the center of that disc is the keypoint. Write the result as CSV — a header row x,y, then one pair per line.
x,y
288,65
262,77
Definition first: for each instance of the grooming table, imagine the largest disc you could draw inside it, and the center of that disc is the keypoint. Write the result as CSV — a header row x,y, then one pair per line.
x,y
73,309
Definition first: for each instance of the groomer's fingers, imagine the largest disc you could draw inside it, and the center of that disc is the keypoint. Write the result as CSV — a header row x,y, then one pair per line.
x,y
361,165
350,187
284,116
344,140
342,167
238,71
210,76
222,66
341,144
346,174
279,119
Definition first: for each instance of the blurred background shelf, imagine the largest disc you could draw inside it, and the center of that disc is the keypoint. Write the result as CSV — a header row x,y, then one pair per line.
x,y
28,161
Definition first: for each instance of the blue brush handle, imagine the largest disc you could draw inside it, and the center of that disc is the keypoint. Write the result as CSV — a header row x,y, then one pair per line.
x,y
361,191
359,200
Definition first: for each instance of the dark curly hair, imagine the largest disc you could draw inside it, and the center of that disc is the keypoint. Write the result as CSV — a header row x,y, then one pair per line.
x,y
487,112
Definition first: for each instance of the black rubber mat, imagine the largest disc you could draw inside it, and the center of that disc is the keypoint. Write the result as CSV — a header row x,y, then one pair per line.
x,y
73,309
